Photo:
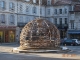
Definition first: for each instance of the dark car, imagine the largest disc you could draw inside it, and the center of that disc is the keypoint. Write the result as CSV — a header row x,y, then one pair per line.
x,y
69,42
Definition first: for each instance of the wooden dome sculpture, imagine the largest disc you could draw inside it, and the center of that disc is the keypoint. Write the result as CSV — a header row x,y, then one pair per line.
x,y
39,34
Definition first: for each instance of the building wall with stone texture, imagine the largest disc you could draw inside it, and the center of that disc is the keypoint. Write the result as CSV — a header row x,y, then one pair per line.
x,y
24,11
8,21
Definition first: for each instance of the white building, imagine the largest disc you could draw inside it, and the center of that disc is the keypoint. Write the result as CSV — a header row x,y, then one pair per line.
x,y
74,21
59,15
14,14
8,20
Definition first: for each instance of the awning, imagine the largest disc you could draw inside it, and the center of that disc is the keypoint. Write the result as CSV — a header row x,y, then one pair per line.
x,y
73,31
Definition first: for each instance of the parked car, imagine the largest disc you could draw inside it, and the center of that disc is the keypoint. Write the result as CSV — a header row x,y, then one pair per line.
x,y
69,42
77,41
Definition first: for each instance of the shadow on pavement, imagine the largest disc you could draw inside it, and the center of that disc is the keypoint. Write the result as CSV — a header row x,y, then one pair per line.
x,y
10,44
27,56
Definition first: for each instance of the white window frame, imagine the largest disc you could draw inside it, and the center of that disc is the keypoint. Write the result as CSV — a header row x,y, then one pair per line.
x,y
21,9
2,18
40,10
34,1
21,19
60,11
55,11
66,20
48,11
11,6
65,11
60,20
34,10
72,25
12,19
48,2
55,20
27,8
27,0
2,5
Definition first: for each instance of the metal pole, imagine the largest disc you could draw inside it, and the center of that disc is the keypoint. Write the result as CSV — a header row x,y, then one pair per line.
x,y
17,23
39,7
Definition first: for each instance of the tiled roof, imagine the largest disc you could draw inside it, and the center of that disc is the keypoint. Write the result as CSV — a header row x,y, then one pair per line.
x,y
77,7
61,2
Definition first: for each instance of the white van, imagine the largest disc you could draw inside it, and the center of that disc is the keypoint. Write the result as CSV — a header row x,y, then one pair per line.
x,y
77,41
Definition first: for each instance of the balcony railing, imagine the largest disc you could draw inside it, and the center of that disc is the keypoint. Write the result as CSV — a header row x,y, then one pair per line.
x,y
21,24
62,26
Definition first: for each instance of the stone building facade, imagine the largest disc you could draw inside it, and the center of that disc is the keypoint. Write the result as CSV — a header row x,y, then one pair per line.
x,y
58,12
74,20
8,21
14,14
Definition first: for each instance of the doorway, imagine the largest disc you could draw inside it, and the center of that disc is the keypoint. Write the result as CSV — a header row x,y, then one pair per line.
x,y
11,36
1,36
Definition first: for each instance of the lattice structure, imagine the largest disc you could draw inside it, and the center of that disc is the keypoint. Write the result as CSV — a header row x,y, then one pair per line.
x,y
38,34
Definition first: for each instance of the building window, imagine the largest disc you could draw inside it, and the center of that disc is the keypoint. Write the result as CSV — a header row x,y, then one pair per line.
x,y
34,1
27,9
2,18
34,10
40,10
11,6
27,0
2,4
65,11
60,19
21,8
27,19
48,2
55,20
60,10
65,20
12,19
40,2
48,11
21,19
55,11
72,25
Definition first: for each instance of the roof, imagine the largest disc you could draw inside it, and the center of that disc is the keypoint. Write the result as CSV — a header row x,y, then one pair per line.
x,y
63,2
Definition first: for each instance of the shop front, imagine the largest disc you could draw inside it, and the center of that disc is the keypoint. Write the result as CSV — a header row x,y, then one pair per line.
x,y
62,33
74,34
63,30
7,34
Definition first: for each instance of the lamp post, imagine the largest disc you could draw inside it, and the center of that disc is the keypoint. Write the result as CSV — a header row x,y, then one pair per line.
x,y
39,7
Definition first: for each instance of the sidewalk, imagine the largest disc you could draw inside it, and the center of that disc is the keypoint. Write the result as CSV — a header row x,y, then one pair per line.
x,y
9,43
6,51
7,47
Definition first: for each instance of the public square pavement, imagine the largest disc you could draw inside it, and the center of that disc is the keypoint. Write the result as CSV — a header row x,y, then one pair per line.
x,y
74,49
7,54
